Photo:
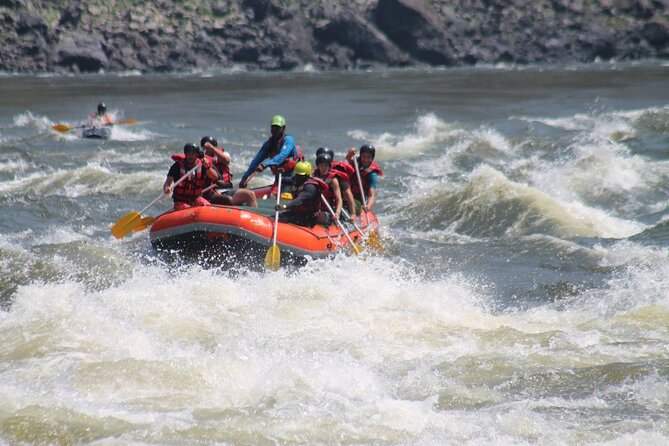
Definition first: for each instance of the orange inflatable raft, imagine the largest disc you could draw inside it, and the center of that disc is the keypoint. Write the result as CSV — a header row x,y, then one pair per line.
x,y
247,230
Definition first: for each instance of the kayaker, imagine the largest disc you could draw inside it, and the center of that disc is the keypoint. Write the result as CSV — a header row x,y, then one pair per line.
x,y
100,117
346,171
331,178
220,161
305,207
189,192
281,154
369,173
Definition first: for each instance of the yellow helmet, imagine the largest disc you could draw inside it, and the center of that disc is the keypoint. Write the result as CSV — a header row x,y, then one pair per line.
x,y
302,168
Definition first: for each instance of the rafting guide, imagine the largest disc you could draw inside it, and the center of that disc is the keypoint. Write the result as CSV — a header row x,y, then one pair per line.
x,y
283,154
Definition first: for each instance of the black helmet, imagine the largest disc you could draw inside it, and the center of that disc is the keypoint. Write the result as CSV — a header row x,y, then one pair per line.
x,y
190,147
325,150
368,149
323,158
207,139
102,108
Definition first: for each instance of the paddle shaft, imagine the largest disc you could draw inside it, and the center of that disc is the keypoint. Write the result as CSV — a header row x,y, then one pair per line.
x,y
354,223
334,217
362,190
276,213
357,174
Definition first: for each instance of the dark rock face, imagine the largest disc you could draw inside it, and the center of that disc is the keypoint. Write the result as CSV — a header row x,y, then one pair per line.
x,y
366,42
181,35
80,52
412,26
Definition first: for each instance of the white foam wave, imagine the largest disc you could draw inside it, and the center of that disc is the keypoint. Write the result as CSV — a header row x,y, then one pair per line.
x,y
82,181
14,165
428,130
564,218
58,236
365,347
28,119
123,133
618,125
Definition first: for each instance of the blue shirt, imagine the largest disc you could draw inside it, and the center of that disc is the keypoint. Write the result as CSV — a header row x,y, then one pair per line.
x,y
288,149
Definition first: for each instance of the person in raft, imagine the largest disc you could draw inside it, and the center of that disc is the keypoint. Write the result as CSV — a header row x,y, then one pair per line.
x,y
369,173
305,207
220,161
331,177
345,171
189,192
100,117
279,153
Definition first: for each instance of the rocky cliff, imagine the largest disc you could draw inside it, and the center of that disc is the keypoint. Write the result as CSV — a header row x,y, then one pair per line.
x,y
167,35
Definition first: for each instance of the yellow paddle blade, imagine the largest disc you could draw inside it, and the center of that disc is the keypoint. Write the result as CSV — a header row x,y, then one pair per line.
x,y
144,223
127,122
61,127
357,248
273,258
126,224
374,242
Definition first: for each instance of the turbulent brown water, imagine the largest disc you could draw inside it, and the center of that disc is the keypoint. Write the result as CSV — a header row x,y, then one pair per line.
x,y
523,297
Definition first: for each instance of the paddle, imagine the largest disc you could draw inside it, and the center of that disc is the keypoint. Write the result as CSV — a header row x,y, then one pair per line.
x,y
372,238
145,222
67,128
373,243
273,256
356,248
133,221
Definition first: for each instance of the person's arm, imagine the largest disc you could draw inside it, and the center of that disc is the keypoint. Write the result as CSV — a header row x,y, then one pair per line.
x,y
338,201
261,155
167,186
286,150
220,154
351,203
350,154
171,175
211,173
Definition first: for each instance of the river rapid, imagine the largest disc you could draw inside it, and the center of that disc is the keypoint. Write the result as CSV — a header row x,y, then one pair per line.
x,y
523,297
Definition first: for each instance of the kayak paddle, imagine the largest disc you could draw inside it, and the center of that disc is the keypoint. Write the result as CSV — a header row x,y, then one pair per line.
x,y
67,128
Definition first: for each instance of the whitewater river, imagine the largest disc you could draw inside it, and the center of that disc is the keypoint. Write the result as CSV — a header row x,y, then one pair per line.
x,y
523,297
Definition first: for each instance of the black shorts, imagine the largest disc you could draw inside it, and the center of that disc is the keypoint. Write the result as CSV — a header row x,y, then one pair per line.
x,y
228,192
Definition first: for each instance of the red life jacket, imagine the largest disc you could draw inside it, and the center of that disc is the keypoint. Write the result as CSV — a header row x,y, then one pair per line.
x,y
364,176
311,208
346,168
222,169
329,193
289,163
191,188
